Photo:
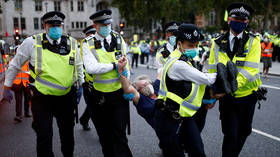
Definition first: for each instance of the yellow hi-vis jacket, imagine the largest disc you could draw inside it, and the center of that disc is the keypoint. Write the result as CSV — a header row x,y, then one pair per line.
x,y
247,63
107,82
53,73
190,104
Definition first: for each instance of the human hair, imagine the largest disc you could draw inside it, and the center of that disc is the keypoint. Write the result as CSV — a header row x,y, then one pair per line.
x,y
139,78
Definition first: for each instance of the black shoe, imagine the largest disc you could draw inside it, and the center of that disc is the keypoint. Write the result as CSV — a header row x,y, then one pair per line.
x,y
18,119
86,127
27,115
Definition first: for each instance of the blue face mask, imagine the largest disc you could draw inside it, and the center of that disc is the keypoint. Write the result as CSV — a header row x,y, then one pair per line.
x,y
237,27
105,30
55,32
172,40
191,53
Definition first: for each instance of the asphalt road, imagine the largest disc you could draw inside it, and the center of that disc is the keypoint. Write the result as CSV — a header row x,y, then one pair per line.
x,y
18,140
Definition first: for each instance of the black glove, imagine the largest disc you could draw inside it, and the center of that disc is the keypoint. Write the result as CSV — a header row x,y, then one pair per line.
x,y
232,75
222,85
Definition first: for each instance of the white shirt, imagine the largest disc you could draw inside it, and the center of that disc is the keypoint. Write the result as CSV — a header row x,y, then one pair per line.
x,y
181,70
92,66
231,40
26,52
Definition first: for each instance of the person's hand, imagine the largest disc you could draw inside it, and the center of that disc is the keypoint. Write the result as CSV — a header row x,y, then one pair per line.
x,y
8,94
210,106
218,96
121,66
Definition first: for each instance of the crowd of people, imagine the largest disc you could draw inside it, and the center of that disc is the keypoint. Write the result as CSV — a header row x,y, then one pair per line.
x,y
194,71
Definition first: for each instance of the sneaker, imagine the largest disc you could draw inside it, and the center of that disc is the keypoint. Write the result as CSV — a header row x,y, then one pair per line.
x,y
18,119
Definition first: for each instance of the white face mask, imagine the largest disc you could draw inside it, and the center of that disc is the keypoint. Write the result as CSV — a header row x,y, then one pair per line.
x,y
148,90
265,40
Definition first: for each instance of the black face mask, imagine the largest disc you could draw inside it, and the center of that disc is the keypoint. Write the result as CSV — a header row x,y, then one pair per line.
x,y
237,27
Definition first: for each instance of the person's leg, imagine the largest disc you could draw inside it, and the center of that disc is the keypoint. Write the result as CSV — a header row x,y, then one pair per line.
x,y
191,139
18,97
42,123
26,101
200,117
133,60
120,117
64,113
136,56
229,123
246,108
101,117
166,129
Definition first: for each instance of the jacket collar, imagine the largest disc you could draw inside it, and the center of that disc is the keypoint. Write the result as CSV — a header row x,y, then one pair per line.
x,y
223,42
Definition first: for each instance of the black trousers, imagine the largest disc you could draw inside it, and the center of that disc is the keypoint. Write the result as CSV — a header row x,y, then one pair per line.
x,y
135,60
236,116
142,58
110,116
44,108
21,92
84,119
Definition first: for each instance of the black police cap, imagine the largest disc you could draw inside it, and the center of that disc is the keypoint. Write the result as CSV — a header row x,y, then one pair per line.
x,y
103,17
240,10
189,32
89,29
53,17
171,26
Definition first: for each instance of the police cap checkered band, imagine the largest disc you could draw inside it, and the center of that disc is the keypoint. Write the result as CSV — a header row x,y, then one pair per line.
x,y
240,10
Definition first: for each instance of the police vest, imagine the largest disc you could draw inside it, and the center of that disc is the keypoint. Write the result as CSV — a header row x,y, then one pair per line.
x,y
54,74
247,63
135,50
107,82
188,105
23,76
266,48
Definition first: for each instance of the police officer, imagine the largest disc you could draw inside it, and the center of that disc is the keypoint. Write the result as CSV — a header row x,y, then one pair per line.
x,y
167,48
180,96
244,49
87,86
55,66
109,109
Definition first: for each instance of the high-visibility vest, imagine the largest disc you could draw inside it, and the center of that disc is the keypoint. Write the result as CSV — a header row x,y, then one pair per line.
x,y
54,74
23,76
248,63
135,50
107,82
266,48
190,104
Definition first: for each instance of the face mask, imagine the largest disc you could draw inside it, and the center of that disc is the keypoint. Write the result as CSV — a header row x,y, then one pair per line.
x,y
191,53
105,30
265,40
172,40
237,27
55,32
148,90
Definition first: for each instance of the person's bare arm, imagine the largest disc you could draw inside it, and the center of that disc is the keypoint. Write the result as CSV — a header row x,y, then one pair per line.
x,y
126,85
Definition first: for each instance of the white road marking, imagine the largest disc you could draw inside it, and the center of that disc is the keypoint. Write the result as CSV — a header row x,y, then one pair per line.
x,y
266,134
268,86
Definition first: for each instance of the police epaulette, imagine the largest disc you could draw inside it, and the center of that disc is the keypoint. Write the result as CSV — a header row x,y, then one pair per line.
x,y
253,35
89,37
115,32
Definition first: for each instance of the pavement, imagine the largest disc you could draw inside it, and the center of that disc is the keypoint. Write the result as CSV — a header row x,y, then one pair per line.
x,y
274,70
19,140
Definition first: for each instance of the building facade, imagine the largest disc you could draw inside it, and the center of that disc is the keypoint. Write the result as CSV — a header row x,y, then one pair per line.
x,y
25,16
